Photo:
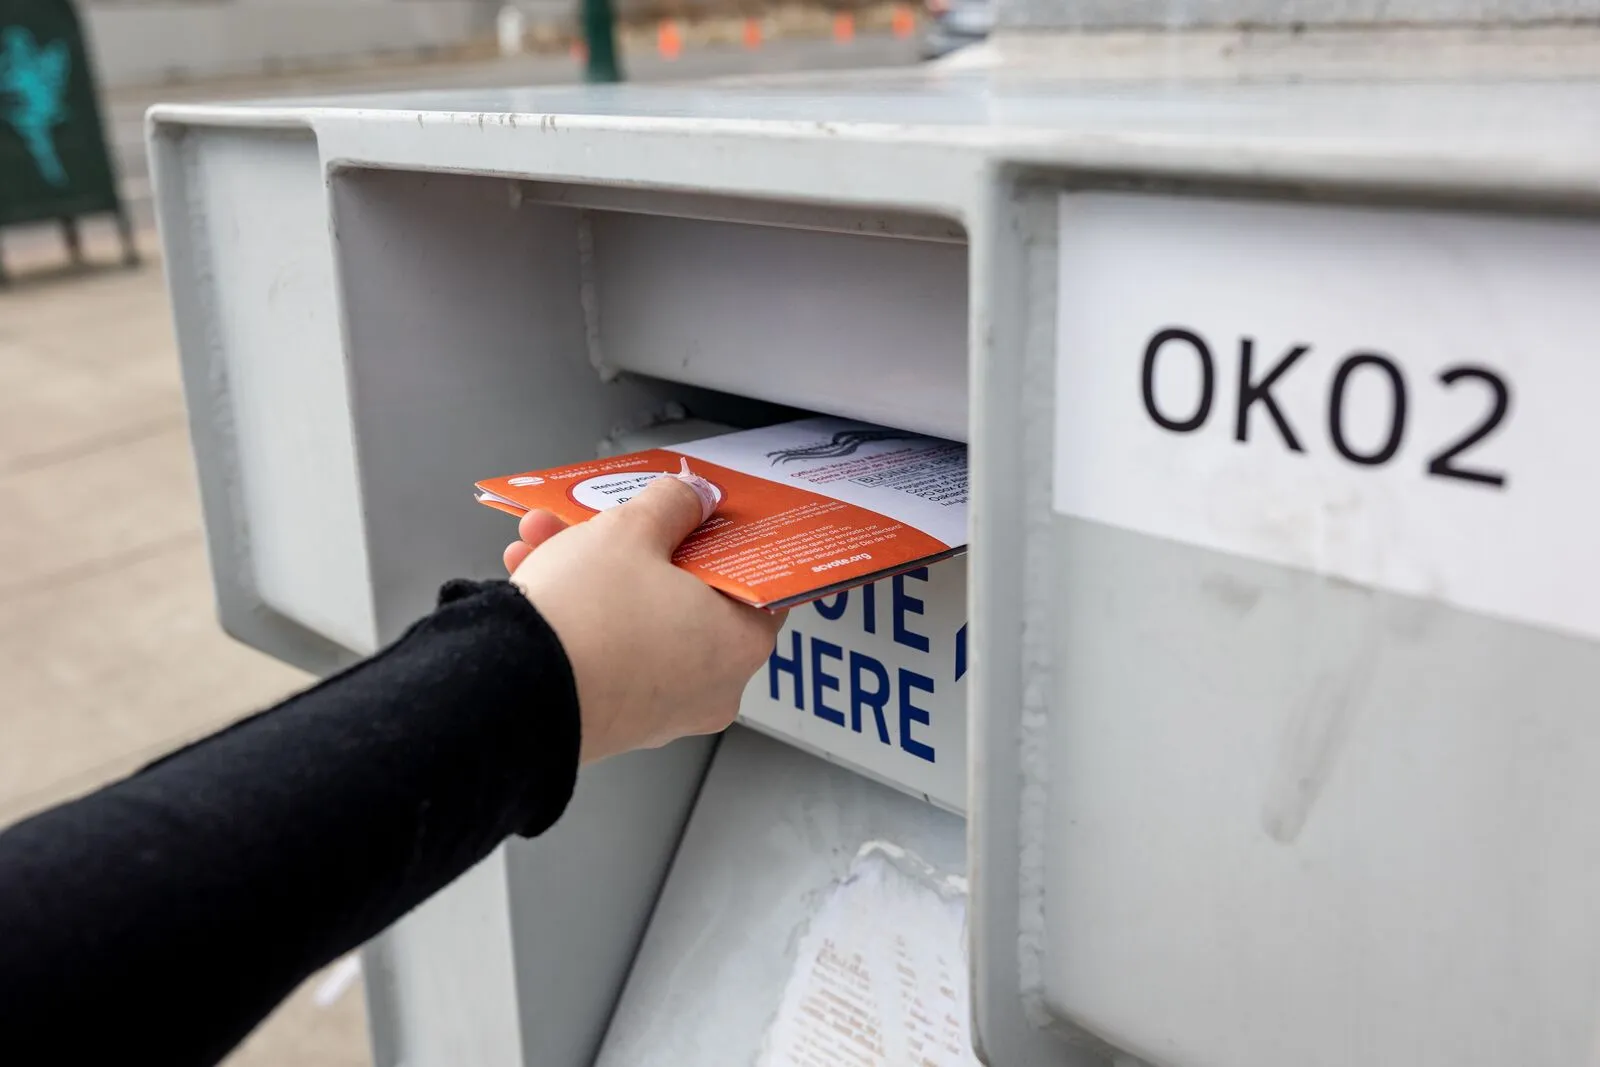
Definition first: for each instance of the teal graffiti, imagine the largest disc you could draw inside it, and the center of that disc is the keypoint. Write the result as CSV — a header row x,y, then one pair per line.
x,y
35,79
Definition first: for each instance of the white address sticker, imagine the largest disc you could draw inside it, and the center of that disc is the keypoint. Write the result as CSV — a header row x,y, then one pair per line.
x,y
1402,399
876,678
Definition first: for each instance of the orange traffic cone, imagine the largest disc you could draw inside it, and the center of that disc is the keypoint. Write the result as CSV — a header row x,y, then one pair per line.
x,y
844,27
752,33
903,23
669,40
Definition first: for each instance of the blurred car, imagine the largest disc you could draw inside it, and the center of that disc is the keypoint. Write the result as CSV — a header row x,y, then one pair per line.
x,y
955,24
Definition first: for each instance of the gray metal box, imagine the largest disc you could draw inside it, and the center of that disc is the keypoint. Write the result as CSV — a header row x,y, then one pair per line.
x,y
1283,606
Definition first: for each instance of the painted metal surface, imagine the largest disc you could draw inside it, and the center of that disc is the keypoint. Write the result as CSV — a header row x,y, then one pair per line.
x,y
1320,728
811,303
280,383
772,832
1260,14
1129,719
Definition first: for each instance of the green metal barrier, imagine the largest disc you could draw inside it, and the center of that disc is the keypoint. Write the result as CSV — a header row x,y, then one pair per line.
x,y
54,163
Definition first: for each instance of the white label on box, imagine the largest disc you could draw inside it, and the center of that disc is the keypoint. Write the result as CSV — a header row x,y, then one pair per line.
x,y
1402,399
876,679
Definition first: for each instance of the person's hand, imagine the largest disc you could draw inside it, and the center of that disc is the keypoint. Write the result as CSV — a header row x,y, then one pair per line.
x,y
656,652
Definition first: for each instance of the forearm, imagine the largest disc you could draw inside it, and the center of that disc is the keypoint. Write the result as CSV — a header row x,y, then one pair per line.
x,y
189,898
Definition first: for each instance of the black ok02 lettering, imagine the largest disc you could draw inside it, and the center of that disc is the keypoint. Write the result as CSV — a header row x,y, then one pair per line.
x,y
1208,381
1257,381
1397,409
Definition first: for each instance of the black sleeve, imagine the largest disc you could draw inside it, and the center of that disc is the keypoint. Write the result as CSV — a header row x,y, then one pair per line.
x,y
160,919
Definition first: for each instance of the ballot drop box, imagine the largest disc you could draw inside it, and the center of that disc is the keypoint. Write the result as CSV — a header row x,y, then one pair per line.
x,y
1260,727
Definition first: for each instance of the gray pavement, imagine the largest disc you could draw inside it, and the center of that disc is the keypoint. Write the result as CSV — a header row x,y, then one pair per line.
x,y
109,649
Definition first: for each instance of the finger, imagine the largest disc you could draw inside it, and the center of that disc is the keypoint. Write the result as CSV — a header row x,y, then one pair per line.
x,y
664,513
515,553
538,526
766,625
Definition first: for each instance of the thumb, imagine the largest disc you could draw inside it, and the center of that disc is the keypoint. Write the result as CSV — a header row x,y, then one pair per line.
x,y
664,513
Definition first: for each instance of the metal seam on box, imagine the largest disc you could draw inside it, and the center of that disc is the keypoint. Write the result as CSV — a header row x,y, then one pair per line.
x,y
217,400
589,298
1033,730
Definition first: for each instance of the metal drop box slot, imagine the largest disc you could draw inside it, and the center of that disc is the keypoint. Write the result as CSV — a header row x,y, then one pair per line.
x,y
1272,738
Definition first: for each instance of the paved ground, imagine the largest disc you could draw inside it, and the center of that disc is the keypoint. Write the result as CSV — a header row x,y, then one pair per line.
x,y
109,651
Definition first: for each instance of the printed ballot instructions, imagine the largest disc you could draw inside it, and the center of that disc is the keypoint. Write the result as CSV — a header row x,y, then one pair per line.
x,y
807,509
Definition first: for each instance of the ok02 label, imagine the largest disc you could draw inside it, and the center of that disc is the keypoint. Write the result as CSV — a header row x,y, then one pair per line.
x,y
1398,398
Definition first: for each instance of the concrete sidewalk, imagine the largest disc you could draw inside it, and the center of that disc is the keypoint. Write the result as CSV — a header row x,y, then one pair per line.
x,y
110,652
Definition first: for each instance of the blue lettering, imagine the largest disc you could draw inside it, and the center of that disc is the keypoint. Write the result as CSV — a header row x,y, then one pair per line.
x,y
821,681
833,612
869,608
861,663
910,713
905,604
777,665
961,651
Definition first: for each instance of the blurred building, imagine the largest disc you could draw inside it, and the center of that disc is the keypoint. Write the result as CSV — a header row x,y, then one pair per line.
x,y
145,41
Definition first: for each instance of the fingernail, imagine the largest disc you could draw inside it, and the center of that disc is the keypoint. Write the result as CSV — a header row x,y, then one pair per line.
x,y
710,496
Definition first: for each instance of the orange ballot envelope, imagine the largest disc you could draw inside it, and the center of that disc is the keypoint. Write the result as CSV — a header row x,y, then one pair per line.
x,y
807,508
